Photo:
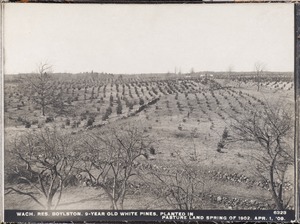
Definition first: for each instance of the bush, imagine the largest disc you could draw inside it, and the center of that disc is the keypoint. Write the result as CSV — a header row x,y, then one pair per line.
x,y
49,119
152,150
75,124
225,134
119,108
142,101
27,124
68,122
109,110
40,125
104,117
90,121
221,145
107,113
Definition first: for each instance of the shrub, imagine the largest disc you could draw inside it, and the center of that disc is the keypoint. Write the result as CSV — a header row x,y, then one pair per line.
x,y
68,122
119,108
225,133
75,124
107,113
49,119
27,124
109,110
20,119
130,106
34,122
221,145
142,101
90,121
152,150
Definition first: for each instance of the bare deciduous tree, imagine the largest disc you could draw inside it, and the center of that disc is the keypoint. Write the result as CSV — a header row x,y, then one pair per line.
x,y
259,68
272,129
181,187
108,160
40,86
44,162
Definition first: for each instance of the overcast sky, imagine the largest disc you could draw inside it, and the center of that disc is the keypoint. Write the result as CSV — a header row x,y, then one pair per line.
x,y
148,38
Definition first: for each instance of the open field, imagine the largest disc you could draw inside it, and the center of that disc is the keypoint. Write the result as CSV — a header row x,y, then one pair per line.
x,y
189,120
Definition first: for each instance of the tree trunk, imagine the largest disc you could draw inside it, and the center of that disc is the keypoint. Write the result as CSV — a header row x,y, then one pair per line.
x,y
120,204
60,194
49,202
277,199
257,80
114,205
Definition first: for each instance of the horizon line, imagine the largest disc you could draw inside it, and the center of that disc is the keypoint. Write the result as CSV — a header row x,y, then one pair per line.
x,y
149,73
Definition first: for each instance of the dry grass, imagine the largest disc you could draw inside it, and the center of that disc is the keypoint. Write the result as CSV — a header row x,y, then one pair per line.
x,y
172,145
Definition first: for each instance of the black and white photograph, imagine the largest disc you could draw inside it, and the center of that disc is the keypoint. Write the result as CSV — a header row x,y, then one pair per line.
x,y
149,107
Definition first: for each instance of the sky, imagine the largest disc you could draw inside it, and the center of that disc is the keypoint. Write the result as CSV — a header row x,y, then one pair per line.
x,y
126,39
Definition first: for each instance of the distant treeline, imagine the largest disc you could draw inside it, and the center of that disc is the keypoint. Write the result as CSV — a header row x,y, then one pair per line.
x,y
156,76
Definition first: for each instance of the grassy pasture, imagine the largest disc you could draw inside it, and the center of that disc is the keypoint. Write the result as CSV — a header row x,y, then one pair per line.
x,y
185,116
